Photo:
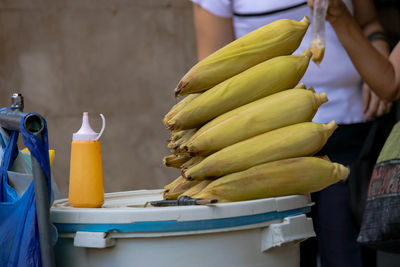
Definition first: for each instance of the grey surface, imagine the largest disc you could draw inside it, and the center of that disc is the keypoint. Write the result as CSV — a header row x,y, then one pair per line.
x,y
119,58
386,259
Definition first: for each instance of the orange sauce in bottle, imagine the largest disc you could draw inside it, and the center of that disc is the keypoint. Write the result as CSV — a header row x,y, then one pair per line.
x,y
86,186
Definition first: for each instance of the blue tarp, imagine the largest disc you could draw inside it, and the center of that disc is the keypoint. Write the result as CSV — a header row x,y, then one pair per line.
x,y
19,235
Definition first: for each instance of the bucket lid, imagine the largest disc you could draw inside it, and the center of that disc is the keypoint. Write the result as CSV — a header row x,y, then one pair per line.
x,y
125,212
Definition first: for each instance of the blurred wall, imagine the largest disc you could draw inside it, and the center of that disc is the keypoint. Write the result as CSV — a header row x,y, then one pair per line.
x,y
121,58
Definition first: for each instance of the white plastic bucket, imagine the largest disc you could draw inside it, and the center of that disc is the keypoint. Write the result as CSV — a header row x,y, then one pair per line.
x,y
264,232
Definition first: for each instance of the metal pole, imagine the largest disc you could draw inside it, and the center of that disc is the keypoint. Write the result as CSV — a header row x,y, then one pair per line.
x,y
10,119
35,125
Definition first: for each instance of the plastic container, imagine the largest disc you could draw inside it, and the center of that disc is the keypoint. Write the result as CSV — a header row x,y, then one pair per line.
x,y
263,232
86,185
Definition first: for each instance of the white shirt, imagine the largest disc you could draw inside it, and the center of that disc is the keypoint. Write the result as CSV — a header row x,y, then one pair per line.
x,y
336,74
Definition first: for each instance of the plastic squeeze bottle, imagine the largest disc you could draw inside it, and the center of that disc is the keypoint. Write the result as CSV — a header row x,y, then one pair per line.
x,y
86,186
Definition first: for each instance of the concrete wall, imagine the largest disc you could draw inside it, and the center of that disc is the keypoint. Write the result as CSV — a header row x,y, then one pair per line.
x,y
121,58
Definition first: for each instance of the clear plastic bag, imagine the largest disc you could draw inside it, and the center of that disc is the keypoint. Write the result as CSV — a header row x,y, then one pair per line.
x,y
318,42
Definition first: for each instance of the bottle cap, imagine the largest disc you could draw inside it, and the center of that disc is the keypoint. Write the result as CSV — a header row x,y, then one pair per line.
x,y
86,133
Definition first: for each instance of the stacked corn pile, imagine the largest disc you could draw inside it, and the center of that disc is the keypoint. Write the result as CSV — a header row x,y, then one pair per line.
x,y
245,130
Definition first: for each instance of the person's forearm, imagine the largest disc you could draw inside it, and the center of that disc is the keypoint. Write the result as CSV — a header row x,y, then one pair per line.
x,y
375,68
367,19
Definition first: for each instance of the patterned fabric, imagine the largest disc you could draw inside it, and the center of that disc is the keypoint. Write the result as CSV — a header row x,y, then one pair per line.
x,y
381,223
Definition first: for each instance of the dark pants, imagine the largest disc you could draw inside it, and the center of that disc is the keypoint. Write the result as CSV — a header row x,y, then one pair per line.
x,y
336,233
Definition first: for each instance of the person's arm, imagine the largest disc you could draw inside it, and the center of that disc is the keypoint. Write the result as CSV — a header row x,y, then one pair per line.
x,y
366,16
212,32
374,67
382,74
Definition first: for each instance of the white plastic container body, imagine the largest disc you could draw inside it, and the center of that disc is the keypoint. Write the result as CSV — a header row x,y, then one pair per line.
x,y
272,243
229,249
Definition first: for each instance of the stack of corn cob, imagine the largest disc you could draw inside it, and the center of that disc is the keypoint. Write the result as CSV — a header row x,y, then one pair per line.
x,y
244,131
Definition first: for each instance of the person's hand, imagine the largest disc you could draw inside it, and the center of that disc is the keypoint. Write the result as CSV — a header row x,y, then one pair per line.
x,y
336,9
373,106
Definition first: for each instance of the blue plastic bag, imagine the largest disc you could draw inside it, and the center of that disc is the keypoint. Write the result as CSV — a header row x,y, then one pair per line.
x,y
19,236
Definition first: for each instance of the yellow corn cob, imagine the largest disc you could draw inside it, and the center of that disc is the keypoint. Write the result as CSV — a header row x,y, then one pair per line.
x,y
178,188
171,144
177,107
271,112
311,89
264,79
185,137
273,179
175,161
191,162
300,86
298,140
178,140
174,182
176,135
278,38
196,189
